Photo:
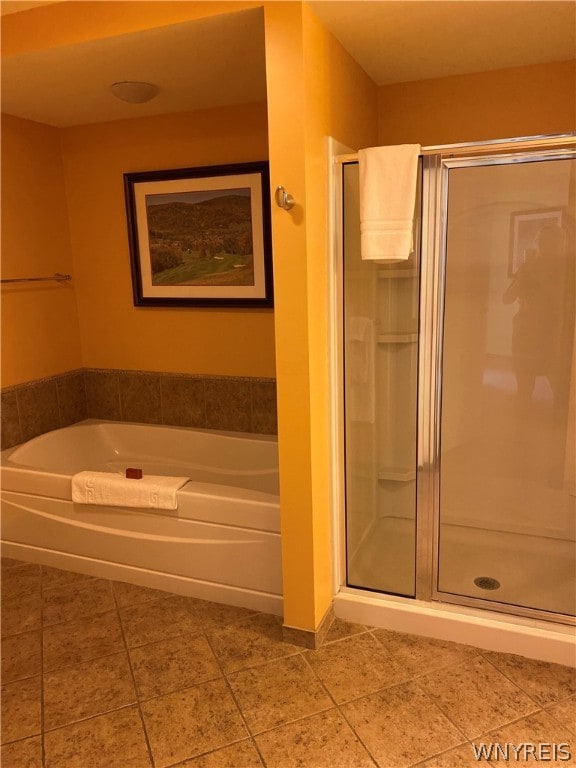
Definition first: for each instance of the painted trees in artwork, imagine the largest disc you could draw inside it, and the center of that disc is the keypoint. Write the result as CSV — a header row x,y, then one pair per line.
x,y
190,241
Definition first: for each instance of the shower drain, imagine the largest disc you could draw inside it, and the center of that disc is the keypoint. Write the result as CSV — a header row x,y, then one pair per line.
x,y
487,582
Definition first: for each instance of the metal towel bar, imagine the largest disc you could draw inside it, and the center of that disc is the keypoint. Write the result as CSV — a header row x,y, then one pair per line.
x,y
59,278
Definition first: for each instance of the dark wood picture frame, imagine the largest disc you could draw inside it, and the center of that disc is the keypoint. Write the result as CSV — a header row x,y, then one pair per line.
x,y
201,237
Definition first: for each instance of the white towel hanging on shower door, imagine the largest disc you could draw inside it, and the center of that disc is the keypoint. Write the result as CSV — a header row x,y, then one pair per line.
x,y
388,180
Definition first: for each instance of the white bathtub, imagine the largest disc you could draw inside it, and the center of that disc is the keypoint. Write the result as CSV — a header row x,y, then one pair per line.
x,y
222,543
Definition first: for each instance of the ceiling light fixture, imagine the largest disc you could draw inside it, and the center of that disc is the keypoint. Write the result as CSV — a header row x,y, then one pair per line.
x,y
134,92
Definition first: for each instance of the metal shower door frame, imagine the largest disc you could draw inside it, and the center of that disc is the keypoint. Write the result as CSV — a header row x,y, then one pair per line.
x,y
435,190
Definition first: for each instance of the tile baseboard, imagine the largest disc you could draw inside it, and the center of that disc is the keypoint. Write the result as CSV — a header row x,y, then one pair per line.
x,y
308,638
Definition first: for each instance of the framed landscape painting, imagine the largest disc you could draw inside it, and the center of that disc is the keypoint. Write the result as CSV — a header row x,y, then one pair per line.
x,y
201,236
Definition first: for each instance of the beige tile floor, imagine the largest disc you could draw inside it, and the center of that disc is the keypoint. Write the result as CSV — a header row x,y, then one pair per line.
x,y
101,674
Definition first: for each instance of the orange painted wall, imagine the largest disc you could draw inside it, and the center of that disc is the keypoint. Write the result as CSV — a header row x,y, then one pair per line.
x,y
341,102
114,333
286,114
40,334
315,90
521,101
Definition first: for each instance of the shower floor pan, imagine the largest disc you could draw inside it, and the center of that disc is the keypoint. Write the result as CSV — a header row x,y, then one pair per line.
x,y
533,571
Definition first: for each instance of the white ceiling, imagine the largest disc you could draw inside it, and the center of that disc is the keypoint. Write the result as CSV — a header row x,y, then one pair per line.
x,y
400,41
199,64
220,60
13,6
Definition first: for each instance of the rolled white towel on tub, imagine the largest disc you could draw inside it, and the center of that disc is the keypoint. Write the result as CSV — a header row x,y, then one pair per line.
x,y
110,489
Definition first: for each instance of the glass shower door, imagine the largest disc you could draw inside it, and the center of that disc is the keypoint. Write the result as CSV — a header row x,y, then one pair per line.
x,y
506,531
381,312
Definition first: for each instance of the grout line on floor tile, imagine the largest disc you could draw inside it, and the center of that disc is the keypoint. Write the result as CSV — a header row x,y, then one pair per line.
x,y
483,733
340,712
82,661
330,643
140,602
383,689
514,683
243,620
19,565
74,585
232,622
24,677
317,676
126,650
563,700
506,725
290,655
337,709
434,670
44,589
440,707
548,707
444,752
186,635
42,731
90,717
146,699
288,722
33,735
211,752
292,721
224,675
17,741
263,663
77,618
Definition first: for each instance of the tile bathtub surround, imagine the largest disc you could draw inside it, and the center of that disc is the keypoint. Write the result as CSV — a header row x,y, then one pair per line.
x,y
229,403
10,419
140,397
31,409
112,675
72,398
38,409
264,406
183,401
102,395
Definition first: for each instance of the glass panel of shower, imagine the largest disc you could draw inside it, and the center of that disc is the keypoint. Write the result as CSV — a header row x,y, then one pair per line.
x,y
507,426
381,357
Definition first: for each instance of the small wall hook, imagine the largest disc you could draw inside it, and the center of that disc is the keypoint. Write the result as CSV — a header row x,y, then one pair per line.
x,y
284,199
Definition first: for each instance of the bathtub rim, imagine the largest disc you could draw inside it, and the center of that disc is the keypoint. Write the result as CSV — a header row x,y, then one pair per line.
x,y
7,452
27,479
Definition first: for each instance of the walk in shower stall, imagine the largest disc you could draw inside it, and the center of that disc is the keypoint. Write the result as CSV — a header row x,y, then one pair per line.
x,y
459,389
